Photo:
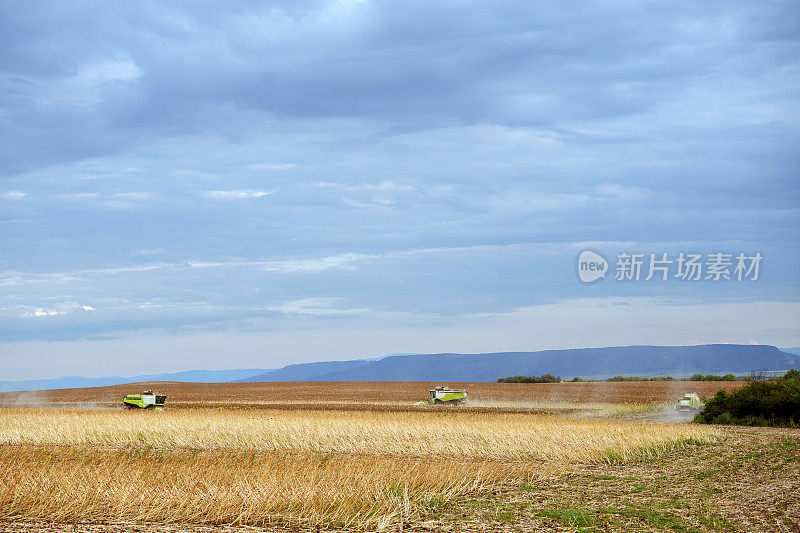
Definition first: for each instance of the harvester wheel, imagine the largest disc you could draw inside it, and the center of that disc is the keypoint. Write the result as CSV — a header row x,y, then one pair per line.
x,y
127,406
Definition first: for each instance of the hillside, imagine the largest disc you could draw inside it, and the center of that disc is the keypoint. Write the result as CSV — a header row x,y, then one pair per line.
x,y
584,362
306,371
486,367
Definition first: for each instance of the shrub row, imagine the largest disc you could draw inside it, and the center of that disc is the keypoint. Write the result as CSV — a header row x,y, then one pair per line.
x,y
713,377
546,378
774,402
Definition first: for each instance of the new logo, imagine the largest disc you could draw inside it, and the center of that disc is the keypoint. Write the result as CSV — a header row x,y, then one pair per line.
x,y
591,266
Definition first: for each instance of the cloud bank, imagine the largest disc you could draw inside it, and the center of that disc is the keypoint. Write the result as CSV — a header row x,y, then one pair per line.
x,y
183,169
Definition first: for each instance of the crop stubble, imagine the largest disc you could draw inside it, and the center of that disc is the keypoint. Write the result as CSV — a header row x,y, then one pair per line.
x,y
362,469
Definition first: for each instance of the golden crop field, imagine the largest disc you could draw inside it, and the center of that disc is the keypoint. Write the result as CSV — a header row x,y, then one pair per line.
x,y
361,457
441,434
360,468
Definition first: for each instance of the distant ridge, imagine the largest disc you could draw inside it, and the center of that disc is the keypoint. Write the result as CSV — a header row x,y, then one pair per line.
x,y
71,382
582,362
593,363
306,371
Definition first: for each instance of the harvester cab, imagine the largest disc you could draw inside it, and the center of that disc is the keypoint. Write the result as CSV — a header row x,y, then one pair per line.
x,y
689,402
146,400
441,395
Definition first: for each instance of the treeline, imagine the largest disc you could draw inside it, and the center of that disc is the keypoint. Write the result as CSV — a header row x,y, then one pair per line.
x,y
550,378
636,378
695,377
713,377
768,402
546,378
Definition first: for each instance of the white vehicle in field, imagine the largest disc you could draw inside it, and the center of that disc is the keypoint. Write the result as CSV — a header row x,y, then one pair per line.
x,y
689,402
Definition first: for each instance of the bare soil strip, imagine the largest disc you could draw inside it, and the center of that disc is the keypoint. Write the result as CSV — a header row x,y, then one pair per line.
x,y
392,395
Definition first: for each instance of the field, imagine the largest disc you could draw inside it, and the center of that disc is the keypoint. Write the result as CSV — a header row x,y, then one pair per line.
x,y
373,396
359,457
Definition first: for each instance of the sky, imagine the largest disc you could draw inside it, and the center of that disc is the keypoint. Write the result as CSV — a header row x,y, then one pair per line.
x,y
191,185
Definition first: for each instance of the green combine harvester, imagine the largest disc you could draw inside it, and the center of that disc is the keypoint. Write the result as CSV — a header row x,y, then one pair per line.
x,y
146,400
441,395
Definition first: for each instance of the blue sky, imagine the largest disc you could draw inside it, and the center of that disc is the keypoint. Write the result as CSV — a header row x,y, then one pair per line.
x,y
204,185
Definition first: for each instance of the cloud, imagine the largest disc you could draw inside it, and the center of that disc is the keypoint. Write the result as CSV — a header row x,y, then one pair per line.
x,y
528,75
90,84
623,193
59,309
318,334
237,195
426,159
82,196
13,195
22,278
385,186
316,307
39,312
333,262
341,261
523,201
136,196
272,166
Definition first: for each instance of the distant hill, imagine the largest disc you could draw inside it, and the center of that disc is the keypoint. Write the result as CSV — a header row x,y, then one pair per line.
x,y
583,362
71,382
306,371
793,351
594,363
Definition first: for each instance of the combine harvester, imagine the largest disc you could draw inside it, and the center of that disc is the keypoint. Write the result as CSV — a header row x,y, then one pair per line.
x,y
146,400
443,395
689,402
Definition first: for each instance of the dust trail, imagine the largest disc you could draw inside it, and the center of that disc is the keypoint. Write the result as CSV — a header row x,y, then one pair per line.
x,y
532,404
672,416
30,399
36,399
92,406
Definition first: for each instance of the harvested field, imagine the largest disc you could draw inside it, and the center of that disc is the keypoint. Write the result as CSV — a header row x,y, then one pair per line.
x,y
747,480
434,433
376,396
304,456
356,469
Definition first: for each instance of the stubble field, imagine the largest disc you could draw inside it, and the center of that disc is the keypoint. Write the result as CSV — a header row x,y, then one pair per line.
x,y
358,456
